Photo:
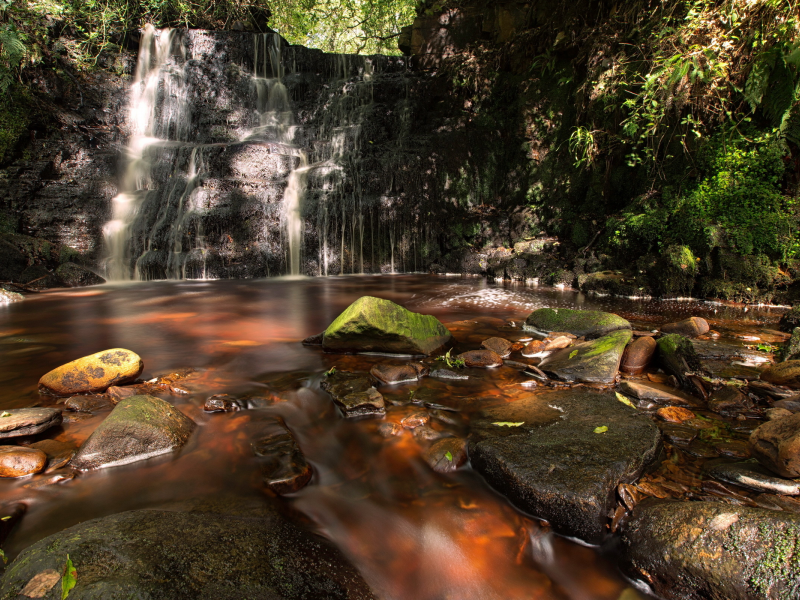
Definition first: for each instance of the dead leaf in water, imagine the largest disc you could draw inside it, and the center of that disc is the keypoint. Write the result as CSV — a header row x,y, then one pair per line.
x,y
41,584
508,424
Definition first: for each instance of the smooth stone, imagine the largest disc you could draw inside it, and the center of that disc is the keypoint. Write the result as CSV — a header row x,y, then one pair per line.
x,y
138,428
679,435
448,374
557,343
94,373
711,550
785,373
733,449
533,348
221,403
72,275
588,323
728,401
658,393
498,346
755,477
788,404
777,413
19,461
87,403
16,422
58,453
376,325
362,404
638,355
215,549
674,414
426,433
677,356
595,361
776,445
283,465
483,359
554,465
437,455
690,328
415,420
389,374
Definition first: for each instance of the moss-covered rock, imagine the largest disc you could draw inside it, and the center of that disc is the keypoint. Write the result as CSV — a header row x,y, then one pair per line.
x,y
596,361
228,549
589,323
713,551
139,427
376,325
72,275
677,356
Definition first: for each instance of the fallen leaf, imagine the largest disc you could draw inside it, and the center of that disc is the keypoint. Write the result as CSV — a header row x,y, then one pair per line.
x,y
624,400
508,424
448,456
573,354
601,429
40,584
68,579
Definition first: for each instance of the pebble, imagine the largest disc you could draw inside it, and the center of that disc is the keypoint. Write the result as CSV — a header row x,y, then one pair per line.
x,y
362,404
284,466
18,461
691,327
533,348
728,401
674,414
680,435
776,445
753,476
558,343
221,403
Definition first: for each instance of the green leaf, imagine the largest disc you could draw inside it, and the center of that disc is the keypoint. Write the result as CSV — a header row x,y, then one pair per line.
x,y
573,354
508,424
624,400
601,429
5,414
68,579
330,372
448,456
3,556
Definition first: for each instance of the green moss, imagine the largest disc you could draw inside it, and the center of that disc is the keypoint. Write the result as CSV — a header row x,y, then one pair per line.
x,y
779,564
613,341
577,322
15,116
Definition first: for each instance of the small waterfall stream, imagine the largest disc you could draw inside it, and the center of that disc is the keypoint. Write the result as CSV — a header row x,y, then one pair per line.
x,y
249,157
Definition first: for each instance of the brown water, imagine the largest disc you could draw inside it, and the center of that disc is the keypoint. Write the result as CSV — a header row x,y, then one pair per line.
x,y
414,534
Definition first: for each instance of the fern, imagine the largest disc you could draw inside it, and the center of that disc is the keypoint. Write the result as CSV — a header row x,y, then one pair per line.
x,y
12,50
781,92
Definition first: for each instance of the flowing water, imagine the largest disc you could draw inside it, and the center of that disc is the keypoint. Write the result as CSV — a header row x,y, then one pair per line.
x,y
413,534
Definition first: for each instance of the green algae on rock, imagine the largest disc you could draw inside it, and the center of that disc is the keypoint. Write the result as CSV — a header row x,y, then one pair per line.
x,y
713,551
139,427
376,325
596,361
677,356
589,323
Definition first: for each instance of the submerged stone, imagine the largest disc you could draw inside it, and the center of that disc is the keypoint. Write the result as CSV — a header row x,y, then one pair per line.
x,y
751,475
354,394
446,455
94,373
588,323
16,422
712,551
58,453
138,428
482,359
776,445
596,361
226,549
389,374
544,454
376,325
283,464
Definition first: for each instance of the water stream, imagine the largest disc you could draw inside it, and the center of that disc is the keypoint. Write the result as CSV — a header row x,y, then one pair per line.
x,y
412,533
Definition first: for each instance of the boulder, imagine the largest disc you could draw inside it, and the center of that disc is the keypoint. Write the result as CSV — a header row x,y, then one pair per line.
x,y
712,551
785,373
690,328
677,356
16,422
397,373
72,275
587,323
283,465
485,359
38,277
226,549
595,361
498,346
138,428
776,445
638,355
18,461
544,452
94,373
376,325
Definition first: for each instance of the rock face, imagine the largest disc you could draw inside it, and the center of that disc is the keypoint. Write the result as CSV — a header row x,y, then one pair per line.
x,y
588,323
18,461
691,327
712,551
17,422
138,428
218,551
677,356
596,361
776,445
785,373
376,325
554,465
93,373
72,275
638,355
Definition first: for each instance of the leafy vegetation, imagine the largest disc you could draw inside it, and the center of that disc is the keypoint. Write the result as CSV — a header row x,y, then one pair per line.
x,y
452,361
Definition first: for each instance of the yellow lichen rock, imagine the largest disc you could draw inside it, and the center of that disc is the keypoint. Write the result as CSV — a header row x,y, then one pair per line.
x,y
93,373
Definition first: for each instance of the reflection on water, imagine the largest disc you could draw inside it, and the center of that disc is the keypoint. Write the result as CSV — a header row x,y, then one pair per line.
x,y
413,533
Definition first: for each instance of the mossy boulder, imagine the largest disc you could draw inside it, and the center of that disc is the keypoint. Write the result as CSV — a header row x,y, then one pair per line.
x,y
376,325
588,323
677,356
225,549
139,427
595,361
713,551
94,373
72,275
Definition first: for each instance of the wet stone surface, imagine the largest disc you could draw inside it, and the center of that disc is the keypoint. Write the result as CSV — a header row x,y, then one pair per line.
x,y
16,422
283,465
